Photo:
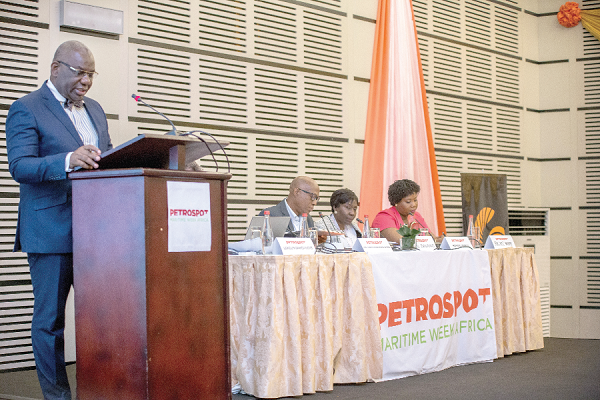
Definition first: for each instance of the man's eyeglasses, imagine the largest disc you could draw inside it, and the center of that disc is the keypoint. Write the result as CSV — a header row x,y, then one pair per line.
x,y
313,196
79,72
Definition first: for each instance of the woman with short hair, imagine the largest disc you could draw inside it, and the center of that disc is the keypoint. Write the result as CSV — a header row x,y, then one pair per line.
x,y
403,196
344,204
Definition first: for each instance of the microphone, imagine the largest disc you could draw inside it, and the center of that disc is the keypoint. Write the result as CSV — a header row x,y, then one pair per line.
x,y
139,100
360,221
326,227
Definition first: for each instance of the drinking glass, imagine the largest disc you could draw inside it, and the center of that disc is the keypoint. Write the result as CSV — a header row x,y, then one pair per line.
x,y
476,237
313,234
256,232
375,233
423,232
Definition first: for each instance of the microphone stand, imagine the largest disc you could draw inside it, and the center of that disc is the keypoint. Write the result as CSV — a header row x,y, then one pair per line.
x,y
360,221
328,231
139,100
326,227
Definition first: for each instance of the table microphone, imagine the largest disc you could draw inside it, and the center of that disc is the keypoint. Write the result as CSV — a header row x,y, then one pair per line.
x,y
139,100
326,227
360,221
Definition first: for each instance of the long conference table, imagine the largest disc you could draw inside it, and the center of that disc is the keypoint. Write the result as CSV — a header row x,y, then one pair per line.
x,y
301,323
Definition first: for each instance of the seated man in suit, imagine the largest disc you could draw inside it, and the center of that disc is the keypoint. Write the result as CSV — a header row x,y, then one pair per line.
x,y
303,197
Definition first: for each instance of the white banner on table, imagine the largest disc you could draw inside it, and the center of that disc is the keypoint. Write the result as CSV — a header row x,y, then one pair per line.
x,y
435,310
189,227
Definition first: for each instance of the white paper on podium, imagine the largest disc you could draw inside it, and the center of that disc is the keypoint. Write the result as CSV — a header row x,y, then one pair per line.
x,y
499,242
189,227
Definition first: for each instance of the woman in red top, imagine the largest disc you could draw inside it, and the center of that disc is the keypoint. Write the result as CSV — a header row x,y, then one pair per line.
x,y
403,196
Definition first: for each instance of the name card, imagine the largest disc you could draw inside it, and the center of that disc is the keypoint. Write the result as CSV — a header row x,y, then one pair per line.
x,y
290,246
499,242
453,243
425,243
379,245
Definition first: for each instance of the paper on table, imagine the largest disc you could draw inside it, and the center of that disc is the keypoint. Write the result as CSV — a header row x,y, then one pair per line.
x,y
246,245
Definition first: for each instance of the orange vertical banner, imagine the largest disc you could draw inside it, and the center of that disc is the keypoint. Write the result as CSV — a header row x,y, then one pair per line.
x,y
372,166
398,137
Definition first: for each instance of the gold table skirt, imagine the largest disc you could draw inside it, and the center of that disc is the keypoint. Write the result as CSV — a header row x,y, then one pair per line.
x,y
517,303
301,323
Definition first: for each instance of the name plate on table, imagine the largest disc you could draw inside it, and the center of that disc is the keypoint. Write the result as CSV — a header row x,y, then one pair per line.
x,y
453,243
499,242
379,245
425,243
289,246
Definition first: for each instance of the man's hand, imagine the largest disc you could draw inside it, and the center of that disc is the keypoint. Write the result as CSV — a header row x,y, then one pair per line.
x,y
323,236
85,157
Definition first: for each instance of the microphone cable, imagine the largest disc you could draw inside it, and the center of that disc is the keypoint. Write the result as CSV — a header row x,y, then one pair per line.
x,y
216,141
207,146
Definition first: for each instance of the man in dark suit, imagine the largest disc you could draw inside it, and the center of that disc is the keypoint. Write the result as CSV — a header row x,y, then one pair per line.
x,y
302,198
50,132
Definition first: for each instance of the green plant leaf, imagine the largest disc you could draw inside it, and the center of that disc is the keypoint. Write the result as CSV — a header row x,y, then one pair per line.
x,y
406,231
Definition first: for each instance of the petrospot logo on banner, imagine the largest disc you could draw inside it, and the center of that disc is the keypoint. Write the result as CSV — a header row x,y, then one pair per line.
x,y
187,213
435,310
437,307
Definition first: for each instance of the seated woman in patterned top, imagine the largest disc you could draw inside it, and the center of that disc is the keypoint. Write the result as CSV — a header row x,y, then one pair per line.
x,y
344,203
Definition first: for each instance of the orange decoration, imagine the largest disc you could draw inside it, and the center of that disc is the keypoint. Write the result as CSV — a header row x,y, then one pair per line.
x,y
568,15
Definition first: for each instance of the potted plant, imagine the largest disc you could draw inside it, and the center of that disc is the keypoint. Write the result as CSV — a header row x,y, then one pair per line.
x,y
408,236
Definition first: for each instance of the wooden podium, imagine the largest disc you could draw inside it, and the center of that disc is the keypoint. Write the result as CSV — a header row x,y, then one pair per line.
x,y
150,324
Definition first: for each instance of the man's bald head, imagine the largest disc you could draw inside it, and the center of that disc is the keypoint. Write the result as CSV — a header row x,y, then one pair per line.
x,y
303,182
72,46
303,196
